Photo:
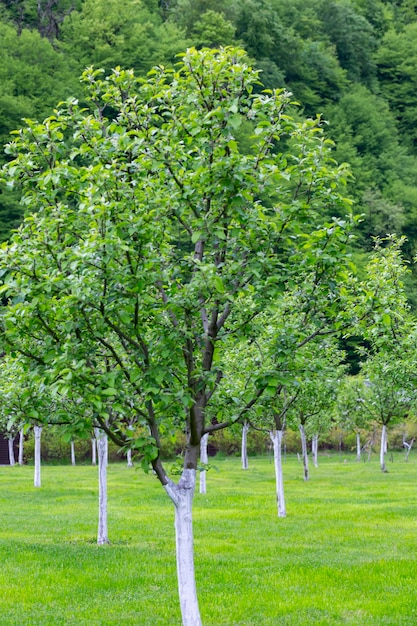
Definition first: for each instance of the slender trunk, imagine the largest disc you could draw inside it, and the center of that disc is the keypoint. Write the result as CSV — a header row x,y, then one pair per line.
x,y
94,451
72,453
182,497
383,448
358,446
304,450
129,458
245,429
204,461
21,442
11,451
276,438
37,430
102,453
315,449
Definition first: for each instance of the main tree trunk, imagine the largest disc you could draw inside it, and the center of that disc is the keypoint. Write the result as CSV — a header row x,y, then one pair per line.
x,y
182,496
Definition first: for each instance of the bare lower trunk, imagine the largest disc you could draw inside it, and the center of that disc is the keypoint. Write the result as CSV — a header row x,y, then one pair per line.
x,y
383,448
72,453
37,430
245,463
358,447
94,451
204,461
182,497
129,458
21,442
315,449
304,450
102,453
11,451
276,438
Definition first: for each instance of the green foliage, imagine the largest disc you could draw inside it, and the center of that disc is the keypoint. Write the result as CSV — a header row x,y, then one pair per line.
x,y
156,243
109,33
396,62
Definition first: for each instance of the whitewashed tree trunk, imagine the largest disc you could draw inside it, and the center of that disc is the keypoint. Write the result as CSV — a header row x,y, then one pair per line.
x,y
37,430
12,460
408,446
304,450
358,447
129,458
383,448
245,463
315,449
182,497
72,453
102,453
94,451
276,438
204,460
21,443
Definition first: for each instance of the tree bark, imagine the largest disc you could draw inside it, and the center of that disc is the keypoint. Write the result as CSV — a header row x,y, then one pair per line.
x,y
383,448
129,458
304,450
21,442
203,460
245,463
12,460
72,453
276,438
182,497
37,430
102,453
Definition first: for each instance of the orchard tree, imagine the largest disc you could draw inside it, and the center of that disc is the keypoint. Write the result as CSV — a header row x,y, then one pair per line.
x,y
350,413
389,352
312,409
156,238
388,394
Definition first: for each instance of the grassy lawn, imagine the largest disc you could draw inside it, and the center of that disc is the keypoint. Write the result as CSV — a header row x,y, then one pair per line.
x,y
346,553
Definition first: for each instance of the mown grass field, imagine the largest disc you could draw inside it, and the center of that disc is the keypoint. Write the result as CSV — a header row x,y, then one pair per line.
x,y
345,554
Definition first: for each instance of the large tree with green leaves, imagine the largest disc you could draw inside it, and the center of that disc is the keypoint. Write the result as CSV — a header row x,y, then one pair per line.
x,y
156,239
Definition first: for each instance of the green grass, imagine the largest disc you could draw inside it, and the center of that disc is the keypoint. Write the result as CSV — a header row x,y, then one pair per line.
x,y
345,554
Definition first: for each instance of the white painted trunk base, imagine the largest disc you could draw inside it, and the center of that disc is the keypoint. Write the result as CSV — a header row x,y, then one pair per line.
x,y
245,462
21,442
94,451
204,460
72,453
182,497
12,460
383,448
129,458
276,438
358,447
304,451
102,453
37,430
315,449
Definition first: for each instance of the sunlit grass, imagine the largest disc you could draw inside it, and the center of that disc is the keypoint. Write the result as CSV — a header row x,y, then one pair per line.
x,y
345,554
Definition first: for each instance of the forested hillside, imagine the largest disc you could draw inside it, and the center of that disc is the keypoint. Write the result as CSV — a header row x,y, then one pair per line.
x,y
353,62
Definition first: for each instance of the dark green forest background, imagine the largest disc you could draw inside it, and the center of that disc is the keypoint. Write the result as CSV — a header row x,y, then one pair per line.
x,y
352,61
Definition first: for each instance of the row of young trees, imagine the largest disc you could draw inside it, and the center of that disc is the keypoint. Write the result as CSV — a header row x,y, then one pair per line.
x,y
184,266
